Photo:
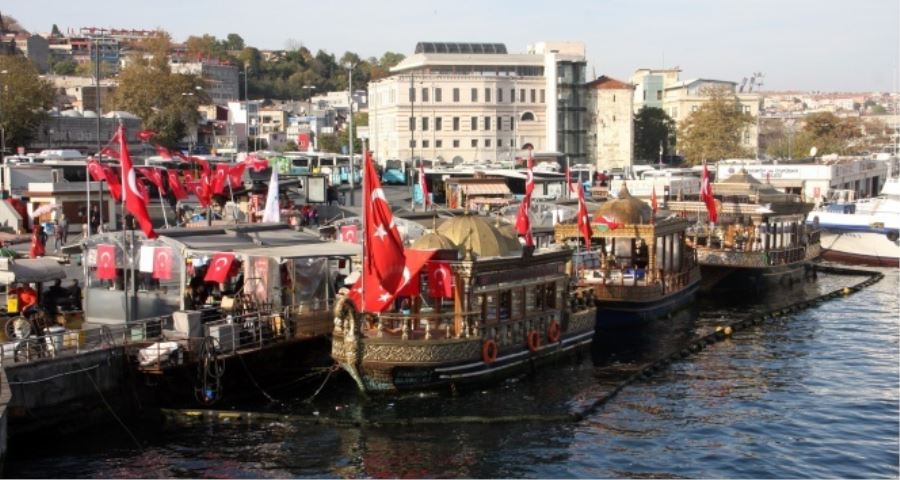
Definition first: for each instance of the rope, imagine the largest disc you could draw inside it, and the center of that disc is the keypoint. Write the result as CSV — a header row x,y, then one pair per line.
x,y
331,370
648,370
53,377
252,379
113,413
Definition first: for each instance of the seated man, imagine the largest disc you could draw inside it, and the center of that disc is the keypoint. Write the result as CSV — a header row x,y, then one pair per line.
x,y
55,296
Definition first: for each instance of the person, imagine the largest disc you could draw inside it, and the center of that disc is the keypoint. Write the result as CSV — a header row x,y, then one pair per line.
x,y
63,229
54,296
28,298
315,216
37,247
332,195
94,220
75,295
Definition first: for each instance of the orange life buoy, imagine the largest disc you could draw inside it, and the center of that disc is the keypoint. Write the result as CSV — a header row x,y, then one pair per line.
x,y
553,332
534,341
489,351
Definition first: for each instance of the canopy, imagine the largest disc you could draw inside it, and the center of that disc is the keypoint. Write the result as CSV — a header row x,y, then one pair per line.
x,y
31,270
325,249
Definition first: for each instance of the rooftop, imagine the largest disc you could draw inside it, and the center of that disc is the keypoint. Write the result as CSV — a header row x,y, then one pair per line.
x,y
466,48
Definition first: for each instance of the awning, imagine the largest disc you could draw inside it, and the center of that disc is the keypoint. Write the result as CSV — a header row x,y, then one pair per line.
x,y
324,249
31,270
486,189
490,201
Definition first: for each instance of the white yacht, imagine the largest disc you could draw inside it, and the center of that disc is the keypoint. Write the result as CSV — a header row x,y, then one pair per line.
x,y
863,231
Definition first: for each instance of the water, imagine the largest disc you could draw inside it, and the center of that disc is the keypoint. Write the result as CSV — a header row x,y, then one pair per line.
x,y
811,395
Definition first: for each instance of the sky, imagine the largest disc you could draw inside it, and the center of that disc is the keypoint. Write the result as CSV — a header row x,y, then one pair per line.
x,y
809,45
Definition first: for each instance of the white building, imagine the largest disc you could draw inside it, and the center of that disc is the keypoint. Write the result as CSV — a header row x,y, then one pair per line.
x,y
466,102
610,119
221,80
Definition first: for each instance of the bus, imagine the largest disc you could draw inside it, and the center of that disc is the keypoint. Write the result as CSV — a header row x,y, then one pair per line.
x,y
343,165
394,172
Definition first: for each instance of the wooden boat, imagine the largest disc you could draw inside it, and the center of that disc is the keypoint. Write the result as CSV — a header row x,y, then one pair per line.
x,y
638,271
761,239
507,312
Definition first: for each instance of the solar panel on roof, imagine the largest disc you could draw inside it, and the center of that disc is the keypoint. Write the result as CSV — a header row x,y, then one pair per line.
x,y
455,47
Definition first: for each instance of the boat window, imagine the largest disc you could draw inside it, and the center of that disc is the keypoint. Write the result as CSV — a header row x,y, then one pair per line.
x,y
490,307
517,303
539,303
550,296
505,304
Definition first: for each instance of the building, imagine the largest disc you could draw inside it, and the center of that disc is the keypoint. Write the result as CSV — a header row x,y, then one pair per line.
x,y
76,130
610,120
467,102
221,79
34,48
80,93
338,101
679,98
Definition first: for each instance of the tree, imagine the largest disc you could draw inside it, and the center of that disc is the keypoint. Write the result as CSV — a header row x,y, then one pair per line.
x,y
652,128
360,119
289,146
328,142
166,102
831,134
90,69
24,98
234,42
55,32
715,130
206,46
63,67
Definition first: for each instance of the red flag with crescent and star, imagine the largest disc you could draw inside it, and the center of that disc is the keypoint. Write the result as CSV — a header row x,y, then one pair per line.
x,y
255,163
706,196
584,225
219,267
106,262
163,152
162,263
135,200
154,175
175,185
523,222
146,135
109,152
235,175
440,280
220,179
349,233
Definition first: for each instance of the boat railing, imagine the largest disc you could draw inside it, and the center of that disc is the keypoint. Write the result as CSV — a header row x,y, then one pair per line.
x,y
424,325
55,344
785,256
249,332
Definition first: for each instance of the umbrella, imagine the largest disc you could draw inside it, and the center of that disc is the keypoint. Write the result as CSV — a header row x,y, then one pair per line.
x,y
45,208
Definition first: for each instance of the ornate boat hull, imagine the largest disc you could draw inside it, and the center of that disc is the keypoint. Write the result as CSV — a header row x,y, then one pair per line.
x,y
753,272
390,365
613,314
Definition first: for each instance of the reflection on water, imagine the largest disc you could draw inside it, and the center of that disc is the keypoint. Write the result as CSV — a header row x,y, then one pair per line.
x,y
811,395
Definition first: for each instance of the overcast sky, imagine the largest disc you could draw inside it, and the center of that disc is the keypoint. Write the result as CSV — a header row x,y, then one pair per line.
x,y
827,45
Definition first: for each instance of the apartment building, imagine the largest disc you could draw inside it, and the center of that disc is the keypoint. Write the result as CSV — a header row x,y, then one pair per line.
x,y
467,102
221,79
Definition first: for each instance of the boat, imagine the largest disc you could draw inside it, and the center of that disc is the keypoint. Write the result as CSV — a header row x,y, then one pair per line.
x,y
864,231
760,241
489,309
639,267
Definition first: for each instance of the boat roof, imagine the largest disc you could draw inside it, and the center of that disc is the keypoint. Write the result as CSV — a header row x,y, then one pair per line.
x,y
30,270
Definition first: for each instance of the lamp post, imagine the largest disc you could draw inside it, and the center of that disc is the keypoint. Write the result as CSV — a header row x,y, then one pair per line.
x,y
245,73
309,89
2,126
350,129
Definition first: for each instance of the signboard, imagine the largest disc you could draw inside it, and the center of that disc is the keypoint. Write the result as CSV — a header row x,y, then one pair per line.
x,y
302,141
315,189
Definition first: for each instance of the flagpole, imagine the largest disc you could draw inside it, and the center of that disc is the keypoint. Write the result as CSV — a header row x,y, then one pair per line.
x,y
127,260
233,205
365,206
162,206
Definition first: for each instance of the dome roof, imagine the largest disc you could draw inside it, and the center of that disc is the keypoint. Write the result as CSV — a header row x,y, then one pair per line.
x,y
625,209
742,176
433,241
475,233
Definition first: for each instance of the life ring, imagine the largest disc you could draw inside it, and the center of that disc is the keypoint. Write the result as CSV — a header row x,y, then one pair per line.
x,y
489,351
553,332
534,341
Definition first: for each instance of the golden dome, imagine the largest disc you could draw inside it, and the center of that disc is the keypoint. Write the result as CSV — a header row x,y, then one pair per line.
x,y
625,209
508,230
475,233
433,241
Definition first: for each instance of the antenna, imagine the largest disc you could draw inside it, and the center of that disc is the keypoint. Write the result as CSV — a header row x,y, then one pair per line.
x,y
743,84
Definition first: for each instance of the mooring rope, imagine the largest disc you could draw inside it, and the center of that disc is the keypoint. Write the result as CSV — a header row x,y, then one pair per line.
x,y
692,347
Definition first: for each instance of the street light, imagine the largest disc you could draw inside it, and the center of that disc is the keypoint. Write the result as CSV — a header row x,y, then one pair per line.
x,y
349,66
197,89
245,73
2,126
310,88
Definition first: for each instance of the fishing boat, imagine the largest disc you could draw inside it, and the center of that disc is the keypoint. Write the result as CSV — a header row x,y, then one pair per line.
x,y
639,268
759,241
864,231
465,303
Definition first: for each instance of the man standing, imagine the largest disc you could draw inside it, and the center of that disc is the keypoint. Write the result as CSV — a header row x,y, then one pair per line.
x,y
94,219
62,230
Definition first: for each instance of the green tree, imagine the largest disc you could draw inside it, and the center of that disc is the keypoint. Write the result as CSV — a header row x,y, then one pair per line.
x,y
328,142
63,67
206,46
360,119
166,102
652,128
715,130
234,42
55,32
90,69
24,99
831,134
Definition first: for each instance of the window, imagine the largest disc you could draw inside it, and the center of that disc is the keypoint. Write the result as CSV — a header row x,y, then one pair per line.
x,y
474,124
424,94
438,123
424,143
542,96
456,144
487,123
512,123
522,95
499,95
455,94
512,142
533,96
474,143
614,118
512,95
474,94
487,94
487,142
437,94
412,144
614,98
645,94
527,117
412,95
659,95
424,124
499,123
455,123
438,143
412,124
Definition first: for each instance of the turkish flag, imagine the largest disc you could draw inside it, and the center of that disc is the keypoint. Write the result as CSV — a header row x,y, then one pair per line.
x,y
220,179
146,135
235,175
377,298
154,175
188,177
112,181
383,247
175,185
440,280
135,200
349,234
584,226
706,196
204,165
256,164
523,222
106,262
162,263
163,152
219,267
96,170
109,152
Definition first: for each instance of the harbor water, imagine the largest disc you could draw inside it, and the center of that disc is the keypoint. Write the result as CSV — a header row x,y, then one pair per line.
x,y
809,395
